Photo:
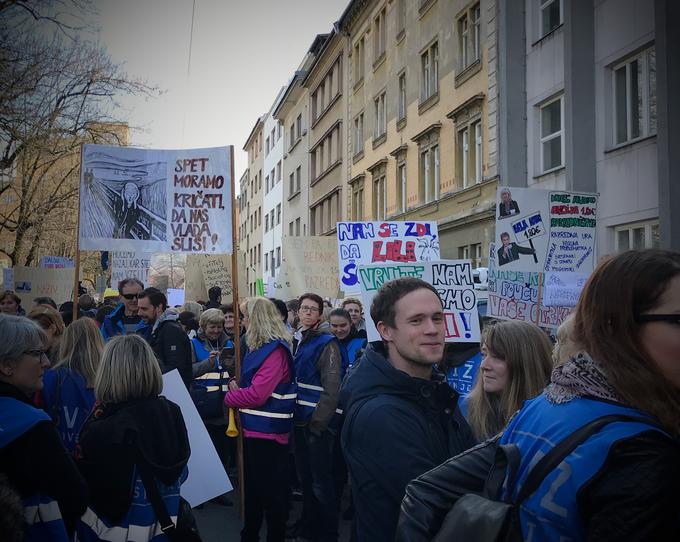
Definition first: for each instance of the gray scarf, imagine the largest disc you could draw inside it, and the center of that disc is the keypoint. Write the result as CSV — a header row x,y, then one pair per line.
x,y
581,376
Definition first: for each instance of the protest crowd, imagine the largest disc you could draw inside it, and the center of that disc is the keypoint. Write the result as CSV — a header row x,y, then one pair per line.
x,y
570,435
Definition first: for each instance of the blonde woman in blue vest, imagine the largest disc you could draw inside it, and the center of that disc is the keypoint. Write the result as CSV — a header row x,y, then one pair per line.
x,y
266,400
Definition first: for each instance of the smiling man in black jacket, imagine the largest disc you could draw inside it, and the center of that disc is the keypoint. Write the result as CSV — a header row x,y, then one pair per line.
x,y
401,419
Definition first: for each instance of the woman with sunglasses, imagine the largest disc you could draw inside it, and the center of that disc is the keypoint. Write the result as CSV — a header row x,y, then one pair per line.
x,y
621,482
32,455
124,319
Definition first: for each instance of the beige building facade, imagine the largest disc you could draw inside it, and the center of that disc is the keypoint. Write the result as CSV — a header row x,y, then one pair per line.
x,y
250,204
421,117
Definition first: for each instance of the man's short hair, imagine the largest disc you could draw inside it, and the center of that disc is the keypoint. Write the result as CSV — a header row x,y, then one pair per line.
x,y
314,298
86,302
281,307
156,297
130,280
44,300
293,305
227,307
352,301
214,293
383,306
505,234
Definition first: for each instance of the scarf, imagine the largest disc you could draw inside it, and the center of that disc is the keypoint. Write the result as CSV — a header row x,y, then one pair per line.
x,y
581,376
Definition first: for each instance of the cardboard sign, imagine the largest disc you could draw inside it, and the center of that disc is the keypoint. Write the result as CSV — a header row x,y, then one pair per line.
x,y
451,278
365,243
32,282
310,264
56,262
150,201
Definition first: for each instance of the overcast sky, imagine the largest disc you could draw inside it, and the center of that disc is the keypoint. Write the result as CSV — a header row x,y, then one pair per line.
x,y
242,53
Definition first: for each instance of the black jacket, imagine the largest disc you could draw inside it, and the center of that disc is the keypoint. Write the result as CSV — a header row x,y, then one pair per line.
x,y
633,498
172,346
111,439
38,461
396,428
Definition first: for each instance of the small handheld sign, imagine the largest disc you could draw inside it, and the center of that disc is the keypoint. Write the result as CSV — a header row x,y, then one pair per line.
x,y
528,228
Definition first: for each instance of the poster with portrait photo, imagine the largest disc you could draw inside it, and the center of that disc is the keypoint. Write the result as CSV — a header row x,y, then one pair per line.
x,y
545,230
149,200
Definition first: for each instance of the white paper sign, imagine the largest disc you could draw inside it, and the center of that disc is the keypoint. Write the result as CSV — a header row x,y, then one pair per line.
x,y
207,478
148,200
175,297
56,262
563,289
127,264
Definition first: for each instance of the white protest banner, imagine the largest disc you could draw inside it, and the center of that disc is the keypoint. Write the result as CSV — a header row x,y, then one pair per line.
x,y
514,295
207,478
541,230
150,201
8,278
175,297
126,264
563,289
32,282
451,278
56,262
363,243
310,264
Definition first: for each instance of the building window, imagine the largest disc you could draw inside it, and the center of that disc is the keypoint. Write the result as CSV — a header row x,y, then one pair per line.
x,y
357,201
266,147
266,263
637,236
291,224
291,184
327,90
278,172
358,133
429,63
380,111
470,154
297,227
359,61
551,130
401,185
278,257
401,105
551,15
278,214
259,253
324,215
469,37
273,265
327,152
471,252
298,175
379,196
401,15
429,174
271,218
634,87
266,222
298,126
379,36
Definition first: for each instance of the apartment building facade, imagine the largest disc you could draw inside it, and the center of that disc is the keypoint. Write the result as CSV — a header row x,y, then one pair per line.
x,y
292,111
252,209
422,112
273,193
325,82
587,100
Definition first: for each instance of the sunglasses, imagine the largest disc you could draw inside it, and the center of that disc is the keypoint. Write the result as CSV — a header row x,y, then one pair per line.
x,y
670,318
36,353
130,297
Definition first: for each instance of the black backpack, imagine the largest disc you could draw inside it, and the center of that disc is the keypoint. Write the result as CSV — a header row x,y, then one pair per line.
x,y
485,517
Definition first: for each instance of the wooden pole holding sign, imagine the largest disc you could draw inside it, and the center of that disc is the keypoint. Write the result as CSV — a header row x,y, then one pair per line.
x,y
539,296
76,270
237,334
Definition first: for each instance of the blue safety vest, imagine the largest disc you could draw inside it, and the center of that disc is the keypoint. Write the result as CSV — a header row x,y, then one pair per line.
x,y
552,512
41,512
352,347
139,524
214,380
276,415
68,401
307,377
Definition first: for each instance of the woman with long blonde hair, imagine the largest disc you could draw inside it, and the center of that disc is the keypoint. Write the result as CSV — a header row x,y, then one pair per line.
x,y
516,365
266,400
68,394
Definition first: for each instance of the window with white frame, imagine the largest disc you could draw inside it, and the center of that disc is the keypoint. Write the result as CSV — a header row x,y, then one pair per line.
x,y
634,97
401,183
470,154
469,37
401,15
429,174
637,236
297,227
298,175
401,105
278,214
552,134
357,203
358,133
266,222
266,147
291,226
379,35
471,252
359,61
379,195
550,16
266,184
278,257
429,69
298,126
380,116
291,184
278,172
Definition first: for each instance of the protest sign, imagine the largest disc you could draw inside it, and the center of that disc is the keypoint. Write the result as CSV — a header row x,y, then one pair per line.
x,y
56,262
207,478
203,271
175,297
451,278
156,200
194,287
8,278
563,289
516,295
32,282
127,264
541,230
310,264
363,243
